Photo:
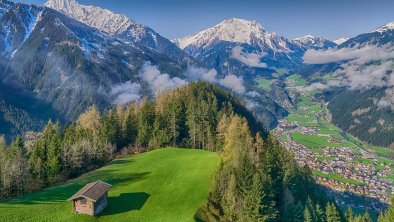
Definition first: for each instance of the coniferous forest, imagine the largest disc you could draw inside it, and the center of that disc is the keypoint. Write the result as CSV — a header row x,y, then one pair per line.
x,y
257,180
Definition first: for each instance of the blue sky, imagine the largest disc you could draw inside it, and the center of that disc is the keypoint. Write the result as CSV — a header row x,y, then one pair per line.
x,y
291,18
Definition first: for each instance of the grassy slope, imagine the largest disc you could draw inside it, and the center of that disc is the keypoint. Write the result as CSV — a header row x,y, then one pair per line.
x,y
163,185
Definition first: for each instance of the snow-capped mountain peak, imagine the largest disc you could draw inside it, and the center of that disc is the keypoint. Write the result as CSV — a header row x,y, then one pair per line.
x,y
231,30
341,40
313,42
96,17
387,27
306,39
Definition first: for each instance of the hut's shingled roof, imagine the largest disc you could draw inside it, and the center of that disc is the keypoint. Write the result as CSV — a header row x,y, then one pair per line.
x,y
92,191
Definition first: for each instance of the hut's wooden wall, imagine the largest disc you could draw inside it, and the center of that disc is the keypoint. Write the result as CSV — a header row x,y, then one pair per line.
x,y
82,208
101,204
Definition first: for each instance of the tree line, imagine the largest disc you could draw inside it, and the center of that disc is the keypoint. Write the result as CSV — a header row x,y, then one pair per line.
x,y
186,117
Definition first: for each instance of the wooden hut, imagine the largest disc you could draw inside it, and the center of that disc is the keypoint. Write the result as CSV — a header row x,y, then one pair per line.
x,y
91,199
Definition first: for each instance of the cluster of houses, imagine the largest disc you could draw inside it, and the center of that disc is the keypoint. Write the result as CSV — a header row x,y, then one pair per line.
x,y
366,177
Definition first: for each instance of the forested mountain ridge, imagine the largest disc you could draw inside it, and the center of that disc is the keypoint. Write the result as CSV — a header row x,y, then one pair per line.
x,y
189,116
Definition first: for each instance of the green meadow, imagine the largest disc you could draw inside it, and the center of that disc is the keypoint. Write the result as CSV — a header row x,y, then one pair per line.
x,y
337,177
162,185
264,84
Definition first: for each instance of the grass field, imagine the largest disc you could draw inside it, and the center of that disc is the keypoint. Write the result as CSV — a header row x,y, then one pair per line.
x,y
363,161
390,177
314,141
296,80
383,151
337,177
264,84
163,185
325,158
310,141
279,72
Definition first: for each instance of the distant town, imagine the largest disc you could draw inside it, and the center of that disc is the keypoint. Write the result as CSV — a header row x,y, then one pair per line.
x,y
341,168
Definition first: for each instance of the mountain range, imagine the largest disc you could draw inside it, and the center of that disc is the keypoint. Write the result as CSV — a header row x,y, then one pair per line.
x,y
67,56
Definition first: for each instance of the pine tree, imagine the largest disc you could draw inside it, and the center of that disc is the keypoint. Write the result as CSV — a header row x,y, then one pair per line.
x,y
307,215
145,120
366,217
19,169
332,213
388,216
253,201
130,129
349,215
319,214
160,134
298,213
3,165
53,143
309,205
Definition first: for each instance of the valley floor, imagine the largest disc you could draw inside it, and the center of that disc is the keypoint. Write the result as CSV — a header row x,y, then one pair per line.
x,y
162,185
340,162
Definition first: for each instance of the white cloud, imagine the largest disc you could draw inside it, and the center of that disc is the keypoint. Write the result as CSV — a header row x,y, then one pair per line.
x,y
230,82
367,67
159,81
250,59
316,86
361,54
252,93
359,76
233,83
126,92
387,100
197,74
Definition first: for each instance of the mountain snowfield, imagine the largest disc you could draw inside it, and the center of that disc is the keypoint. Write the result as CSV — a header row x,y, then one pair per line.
x,y
387,27
340,40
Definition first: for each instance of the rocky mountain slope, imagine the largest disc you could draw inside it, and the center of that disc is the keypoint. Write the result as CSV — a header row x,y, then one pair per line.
x,y
117,25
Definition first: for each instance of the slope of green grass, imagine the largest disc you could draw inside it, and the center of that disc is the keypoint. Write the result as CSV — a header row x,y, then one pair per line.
x,y
312,141
315,141
264,84
163,185
296,80
337,177
363,161
279,72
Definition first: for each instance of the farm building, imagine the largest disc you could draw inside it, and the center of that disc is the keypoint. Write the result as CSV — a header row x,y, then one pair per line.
x,y
91,199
